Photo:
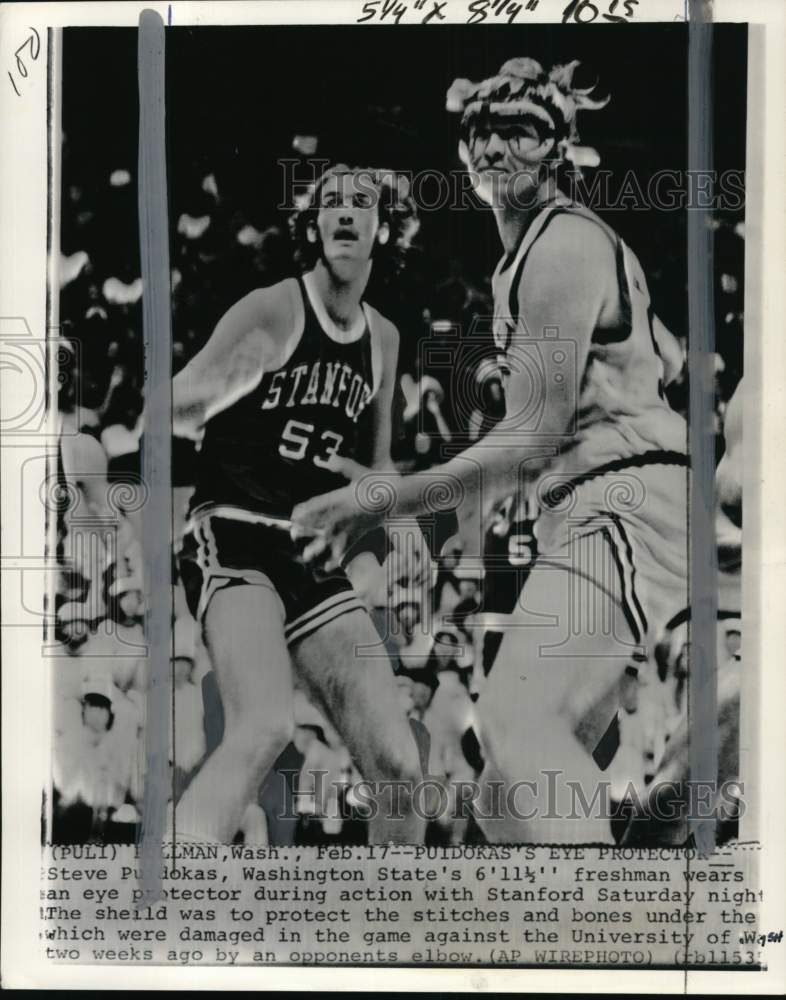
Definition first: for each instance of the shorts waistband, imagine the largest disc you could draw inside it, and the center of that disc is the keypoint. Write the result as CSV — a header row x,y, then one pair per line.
x,y
236,514
654,457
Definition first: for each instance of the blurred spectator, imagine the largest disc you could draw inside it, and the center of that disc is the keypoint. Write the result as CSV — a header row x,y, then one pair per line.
x,y
425,425
94,758
422,687
410,634
452,651
326,772
448,717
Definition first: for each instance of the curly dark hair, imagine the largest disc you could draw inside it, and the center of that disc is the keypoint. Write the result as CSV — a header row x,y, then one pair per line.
x,y
396,208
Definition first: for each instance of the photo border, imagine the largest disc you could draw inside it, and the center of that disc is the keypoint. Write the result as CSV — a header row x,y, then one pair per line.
x,y
23,291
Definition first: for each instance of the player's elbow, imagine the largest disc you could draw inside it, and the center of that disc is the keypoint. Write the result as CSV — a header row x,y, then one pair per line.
x,y
189,408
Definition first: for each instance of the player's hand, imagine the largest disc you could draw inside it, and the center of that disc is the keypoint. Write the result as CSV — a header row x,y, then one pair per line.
x,y
188,430
334,521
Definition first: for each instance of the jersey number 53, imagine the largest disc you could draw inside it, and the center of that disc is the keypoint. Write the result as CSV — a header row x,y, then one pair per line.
x,y
296,437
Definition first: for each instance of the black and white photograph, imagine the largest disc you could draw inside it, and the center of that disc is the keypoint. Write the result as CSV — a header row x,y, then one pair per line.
x,y
393,494
351,250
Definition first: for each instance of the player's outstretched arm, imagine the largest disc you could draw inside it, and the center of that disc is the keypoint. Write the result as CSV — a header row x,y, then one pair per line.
x,y
571,283
244,343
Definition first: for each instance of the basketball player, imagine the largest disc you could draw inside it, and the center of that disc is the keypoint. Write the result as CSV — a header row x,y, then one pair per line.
x,y
604,458
294,376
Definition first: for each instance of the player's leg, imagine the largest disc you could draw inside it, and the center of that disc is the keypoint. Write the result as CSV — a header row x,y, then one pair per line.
x,y
548,699
349,675
244,633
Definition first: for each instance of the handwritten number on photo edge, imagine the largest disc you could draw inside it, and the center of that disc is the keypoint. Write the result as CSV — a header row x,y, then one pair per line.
x,y
585,11
34,42
621,18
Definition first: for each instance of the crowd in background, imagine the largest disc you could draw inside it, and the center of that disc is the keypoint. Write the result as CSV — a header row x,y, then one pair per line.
x,y
427,602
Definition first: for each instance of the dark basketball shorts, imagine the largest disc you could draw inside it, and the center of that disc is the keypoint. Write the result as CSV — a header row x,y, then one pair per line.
x,y
228,547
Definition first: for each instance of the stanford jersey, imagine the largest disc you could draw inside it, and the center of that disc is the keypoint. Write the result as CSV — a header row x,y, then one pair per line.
x,y
270,450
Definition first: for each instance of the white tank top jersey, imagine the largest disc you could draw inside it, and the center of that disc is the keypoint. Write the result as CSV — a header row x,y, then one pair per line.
x,y
621,412
621,473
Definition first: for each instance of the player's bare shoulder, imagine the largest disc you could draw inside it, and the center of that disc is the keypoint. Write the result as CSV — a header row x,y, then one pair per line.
x,y
252,337
270,316
572,266
384,328
386,337
574,244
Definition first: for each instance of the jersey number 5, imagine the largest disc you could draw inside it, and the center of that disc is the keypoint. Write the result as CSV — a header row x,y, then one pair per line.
x,y
295,440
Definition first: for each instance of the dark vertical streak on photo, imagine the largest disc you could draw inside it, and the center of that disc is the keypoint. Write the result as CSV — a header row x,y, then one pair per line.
x,y
703,582
156,441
